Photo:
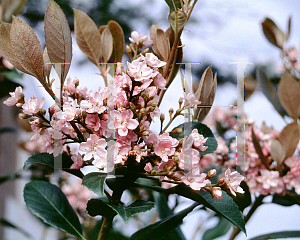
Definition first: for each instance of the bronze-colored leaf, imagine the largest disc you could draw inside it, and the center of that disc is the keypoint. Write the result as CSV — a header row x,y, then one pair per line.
x,y
277,152
58,39
153,36
273,33
289,94
27,48
179,56
6,48
288,33
163,44
206,105
107,45
170,35
289,138
265,129
87,36
118,41
250,86
48,64
102,28
177,20
259,151
269,91
8,8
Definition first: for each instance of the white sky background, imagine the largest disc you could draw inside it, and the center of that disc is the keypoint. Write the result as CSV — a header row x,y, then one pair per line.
x,y
227,31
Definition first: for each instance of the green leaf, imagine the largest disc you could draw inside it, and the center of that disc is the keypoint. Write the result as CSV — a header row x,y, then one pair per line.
x,y
11,225
159,229
137,206
226,207
211,142
269,91
95,182
171,5
101,206
48,160
7,86
7,130
11,74
289,199
219,230
10,176
243,200
275,235
163,212
49,203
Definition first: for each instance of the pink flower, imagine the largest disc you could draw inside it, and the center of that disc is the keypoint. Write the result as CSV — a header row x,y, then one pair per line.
x,y
93,121
15,96
160,82
139,70
136,38
199,140
191,99
153,61
34,105
270,180
78,162
94,147
166,146
233,181
195,180
123,121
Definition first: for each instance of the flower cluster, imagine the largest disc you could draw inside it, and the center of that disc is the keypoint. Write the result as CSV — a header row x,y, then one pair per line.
x,y
112,124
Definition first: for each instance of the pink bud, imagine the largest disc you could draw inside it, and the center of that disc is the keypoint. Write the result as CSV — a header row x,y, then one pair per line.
x,y
217,193
211,173
148,167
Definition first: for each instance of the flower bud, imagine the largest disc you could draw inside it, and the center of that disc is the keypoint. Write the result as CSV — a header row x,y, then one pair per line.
x,y
171,111
145,51
180,101
211,173
162,117
148,167
178,111
141,128
221,182
154,104
24,116
145,95
132,107
146,133
143,111
151,109
177,130
217,193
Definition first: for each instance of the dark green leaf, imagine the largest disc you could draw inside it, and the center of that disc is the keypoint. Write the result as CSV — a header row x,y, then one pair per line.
x,y
243,200
10,176
7,86
7,130
48,160
11,225
289,199
275,235
95,182
226,207
211,142
49,203
137,206
219,230
163,212
159,229
11,74
171,5
269,91
101,206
